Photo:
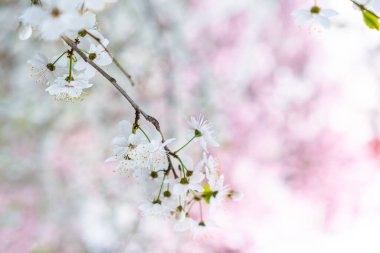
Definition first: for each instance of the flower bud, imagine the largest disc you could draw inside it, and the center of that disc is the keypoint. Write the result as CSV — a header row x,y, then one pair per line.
x,y
82,33
154,174
184,180
235,196
50,66
167,194
92,56
157,201
315,9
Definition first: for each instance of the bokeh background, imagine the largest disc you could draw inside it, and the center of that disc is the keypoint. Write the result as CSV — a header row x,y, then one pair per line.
x,y
296,111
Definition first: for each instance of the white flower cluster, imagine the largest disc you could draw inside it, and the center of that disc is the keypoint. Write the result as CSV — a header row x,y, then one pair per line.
x,y
177,189
66,74
176,186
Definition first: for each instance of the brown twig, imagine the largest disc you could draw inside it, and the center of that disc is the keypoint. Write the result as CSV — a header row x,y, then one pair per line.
x,y
125,72
135,106
136,123
363,8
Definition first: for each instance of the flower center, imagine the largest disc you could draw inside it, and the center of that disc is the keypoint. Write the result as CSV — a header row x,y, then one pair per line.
x,y
189,173
167,194
315,9
50,66
92,56
179,209
157,201
154,174
55,12
69,79
184,180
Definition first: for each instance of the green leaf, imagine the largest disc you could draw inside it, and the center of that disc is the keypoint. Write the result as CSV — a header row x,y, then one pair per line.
x,y
208,193
371,20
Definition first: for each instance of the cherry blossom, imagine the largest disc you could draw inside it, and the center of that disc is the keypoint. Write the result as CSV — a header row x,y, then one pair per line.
x,y
202,131
316,14
172,184
45,71
64,89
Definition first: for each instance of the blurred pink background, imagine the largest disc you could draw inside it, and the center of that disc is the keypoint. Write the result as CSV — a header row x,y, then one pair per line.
x,y
296,112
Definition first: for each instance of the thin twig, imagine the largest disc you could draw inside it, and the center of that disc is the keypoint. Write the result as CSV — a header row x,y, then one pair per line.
x,y
137,118
363,8
125,72
135,106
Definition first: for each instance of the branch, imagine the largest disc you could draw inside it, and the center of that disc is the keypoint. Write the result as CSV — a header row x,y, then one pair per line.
x,y
363,8
136,107
113,58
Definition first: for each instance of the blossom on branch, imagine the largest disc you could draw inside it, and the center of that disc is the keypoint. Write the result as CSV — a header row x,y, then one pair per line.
x,y
315,15
173,184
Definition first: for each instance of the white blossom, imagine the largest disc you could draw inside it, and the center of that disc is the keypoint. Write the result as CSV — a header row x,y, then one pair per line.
x,y
190,182
184,223
98,55
57,17
126,152
63,89
219,191
314,15
44,71
203,130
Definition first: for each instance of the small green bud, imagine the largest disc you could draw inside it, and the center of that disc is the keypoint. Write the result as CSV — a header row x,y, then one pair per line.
x,y
154,174
135,127
167,194
92,56
197,198
50,66
315,9
157,201
69,79
179,209
189,173
184,180
197,133
82,33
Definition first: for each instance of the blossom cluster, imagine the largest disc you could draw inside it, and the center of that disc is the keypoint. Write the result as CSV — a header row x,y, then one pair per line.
x,y
66,74
174,189
321,17
176,185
